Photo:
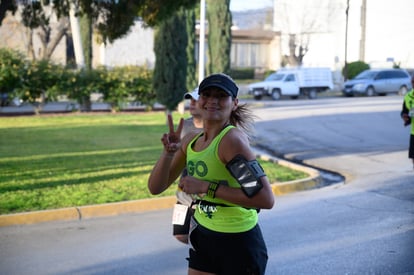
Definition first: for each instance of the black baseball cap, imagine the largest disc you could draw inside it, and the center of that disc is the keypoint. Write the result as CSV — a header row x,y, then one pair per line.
x,y
221,81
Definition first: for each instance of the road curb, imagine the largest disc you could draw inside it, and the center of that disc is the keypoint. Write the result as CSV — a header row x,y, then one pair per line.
x,y
282,188
136,206
88,211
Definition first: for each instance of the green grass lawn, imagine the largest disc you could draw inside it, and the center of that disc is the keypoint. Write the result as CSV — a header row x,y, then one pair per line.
x,y
55,161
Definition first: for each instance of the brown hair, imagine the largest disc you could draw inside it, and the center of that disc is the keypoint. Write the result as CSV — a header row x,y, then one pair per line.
x,y
243,118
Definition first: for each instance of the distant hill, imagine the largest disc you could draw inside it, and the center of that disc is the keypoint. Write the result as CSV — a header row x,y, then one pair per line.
x,y
253,19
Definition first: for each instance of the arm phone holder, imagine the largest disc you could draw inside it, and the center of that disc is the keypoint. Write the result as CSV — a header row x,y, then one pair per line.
x,y
247,173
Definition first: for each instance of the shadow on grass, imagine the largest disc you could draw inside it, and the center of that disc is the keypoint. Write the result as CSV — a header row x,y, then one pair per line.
x,y
41,173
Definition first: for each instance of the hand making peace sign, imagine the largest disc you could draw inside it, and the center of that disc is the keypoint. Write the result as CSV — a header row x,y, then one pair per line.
x,y
172,139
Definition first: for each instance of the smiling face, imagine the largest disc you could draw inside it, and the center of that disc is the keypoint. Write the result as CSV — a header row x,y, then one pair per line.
x,y
194,111
216,104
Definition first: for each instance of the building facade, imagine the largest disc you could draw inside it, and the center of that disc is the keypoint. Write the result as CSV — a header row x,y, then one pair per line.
x,y
259,49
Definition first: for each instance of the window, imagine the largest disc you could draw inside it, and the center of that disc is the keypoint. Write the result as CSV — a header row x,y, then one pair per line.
x,y
383,75
290,78
249,55
275,77
398,74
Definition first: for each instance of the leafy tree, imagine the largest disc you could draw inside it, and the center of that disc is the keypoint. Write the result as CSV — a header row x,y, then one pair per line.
x,y
7,6
170,71
155,12
36,16
112,18
219,35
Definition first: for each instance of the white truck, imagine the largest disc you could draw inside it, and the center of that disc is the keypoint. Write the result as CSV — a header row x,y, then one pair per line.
x,y
293,83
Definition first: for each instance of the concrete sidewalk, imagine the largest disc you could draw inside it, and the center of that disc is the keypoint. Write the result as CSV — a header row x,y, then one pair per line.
x,y
111,209
67,107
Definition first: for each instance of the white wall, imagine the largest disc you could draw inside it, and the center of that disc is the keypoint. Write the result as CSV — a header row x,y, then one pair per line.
x,y
136,48
389,32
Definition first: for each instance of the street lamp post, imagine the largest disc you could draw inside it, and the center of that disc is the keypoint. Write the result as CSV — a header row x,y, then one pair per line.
x,y
201,48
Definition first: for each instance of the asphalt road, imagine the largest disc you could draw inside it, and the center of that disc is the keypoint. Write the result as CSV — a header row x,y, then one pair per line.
x,y
365,226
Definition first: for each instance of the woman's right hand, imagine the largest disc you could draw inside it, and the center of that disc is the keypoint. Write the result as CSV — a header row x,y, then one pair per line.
x,y
193,186
171,140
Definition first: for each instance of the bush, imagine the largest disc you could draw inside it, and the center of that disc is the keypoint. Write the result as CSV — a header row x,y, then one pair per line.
x,y
41,81
80,84
354,68
242,73
30,81
12,66
37,82
129,83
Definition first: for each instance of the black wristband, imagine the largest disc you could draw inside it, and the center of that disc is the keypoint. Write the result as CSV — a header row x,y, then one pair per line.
x,y
212,189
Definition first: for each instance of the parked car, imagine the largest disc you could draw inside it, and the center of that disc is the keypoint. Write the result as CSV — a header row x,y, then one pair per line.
x,y
378,82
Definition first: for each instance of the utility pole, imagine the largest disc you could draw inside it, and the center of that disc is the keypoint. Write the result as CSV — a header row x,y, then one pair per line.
x,y
346,42
363,29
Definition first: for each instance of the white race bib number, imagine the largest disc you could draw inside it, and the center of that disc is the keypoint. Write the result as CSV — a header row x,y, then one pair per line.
x,y
179,214
411,113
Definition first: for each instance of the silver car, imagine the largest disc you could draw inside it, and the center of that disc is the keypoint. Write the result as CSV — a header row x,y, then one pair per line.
x,y
378,82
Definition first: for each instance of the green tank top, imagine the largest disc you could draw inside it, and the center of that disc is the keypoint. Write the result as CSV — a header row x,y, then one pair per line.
x,y
214,213
409,103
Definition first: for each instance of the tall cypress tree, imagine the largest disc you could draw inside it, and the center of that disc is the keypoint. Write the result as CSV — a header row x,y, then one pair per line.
x,y
170,43
219,36
191,61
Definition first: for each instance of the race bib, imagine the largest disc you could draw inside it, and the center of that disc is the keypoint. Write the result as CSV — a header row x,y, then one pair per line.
x,y
411,113
179,214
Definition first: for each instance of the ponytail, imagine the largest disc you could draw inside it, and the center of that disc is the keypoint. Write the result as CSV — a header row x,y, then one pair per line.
x,y
243,118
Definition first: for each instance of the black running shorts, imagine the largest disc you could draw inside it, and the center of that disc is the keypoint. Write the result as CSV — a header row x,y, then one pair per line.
x,y
228,253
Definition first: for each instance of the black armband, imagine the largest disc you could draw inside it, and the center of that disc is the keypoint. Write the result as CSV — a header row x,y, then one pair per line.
x,y
247,173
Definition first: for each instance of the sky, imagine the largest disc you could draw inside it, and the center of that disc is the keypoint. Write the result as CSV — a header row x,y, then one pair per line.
x,y
242,5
